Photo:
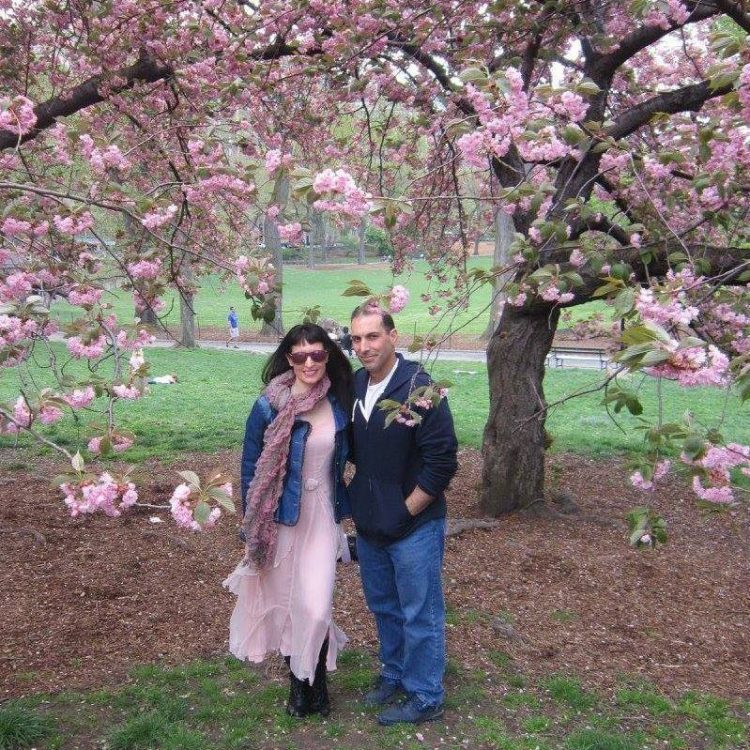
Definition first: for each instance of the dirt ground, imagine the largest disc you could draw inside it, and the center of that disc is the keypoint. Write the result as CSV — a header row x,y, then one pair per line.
x,y
83,600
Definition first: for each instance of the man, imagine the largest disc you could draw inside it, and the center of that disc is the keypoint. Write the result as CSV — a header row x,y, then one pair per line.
x,y
398,507
345,342
234,328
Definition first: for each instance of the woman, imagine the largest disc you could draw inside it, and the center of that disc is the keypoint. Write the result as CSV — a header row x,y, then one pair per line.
x,y
293,498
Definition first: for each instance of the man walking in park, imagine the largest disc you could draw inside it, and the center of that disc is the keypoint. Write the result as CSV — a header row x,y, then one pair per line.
x,y
398,507
234,328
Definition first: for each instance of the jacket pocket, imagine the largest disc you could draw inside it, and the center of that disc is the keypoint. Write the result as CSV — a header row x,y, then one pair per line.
x,y
390,518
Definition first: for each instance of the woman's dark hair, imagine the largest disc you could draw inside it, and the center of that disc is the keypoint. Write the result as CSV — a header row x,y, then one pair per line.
x,y
338,368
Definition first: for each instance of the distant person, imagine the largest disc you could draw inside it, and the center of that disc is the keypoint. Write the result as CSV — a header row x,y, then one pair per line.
x,y
234,328
345,342
293,497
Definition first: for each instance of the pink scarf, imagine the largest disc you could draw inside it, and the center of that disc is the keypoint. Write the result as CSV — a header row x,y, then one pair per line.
x,y
265,489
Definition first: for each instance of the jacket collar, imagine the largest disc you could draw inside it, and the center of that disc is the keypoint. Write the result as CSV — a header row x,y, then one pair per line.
x,y
404,372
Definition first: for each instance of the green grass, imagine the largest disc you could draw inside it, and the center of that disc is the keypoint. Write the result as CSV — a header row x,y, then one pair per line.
x,y
21,727
223,704
305,288
207,409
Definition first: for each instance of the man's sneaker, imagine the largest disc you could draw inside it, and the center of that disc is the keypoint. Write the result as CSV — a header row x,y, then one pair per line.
x,y
410,711
385,691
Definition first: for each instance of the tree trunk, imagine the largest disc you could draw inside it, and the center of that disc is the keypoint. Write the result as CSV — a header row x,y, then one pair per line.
x,y
504,231
273,247
186,290
361,246
514,436
317,234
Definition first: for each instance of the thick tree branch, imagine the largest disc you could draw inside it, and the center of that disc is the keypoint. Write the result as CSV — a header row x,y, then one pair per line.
x,y
602,67
601,224
88,93
687,99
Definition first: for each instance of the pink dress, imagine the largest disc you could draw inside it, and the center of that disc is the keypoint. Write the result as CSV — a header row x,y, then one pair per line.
x,y
289,607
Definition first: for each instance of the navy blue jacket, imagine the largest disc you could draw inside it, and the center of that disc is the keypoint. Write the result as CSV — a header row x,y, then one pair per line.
x,y
261,415
392,460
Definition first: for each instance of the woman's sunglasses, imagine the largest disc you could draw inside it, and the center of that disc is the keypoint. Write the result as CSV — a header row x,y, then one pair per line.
x,y
299,358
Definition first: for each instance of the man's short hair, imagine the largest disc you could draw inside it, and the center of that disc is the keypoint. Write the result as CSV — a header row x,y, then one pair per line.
x,y
373,308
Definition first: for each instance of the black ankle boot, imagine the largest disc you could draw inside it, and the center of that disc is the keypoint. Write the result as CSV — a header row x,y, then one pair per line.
x,y
298,704
320,703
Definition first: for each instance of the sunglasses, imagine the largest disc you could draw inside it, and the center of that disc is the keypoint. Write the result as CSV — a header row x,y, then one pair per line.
x,y
299,358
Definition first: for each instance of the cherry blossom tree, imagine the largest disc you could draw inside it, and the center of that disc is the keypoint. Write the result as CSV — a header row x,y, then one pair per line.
x,y
613,135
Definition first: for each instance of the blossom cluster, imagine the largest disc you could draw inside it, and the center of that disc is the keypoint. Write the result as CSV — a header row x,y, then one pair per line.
x,y
103,493
17,114
275,159
660,470
398,298
255,276
182,506
346,199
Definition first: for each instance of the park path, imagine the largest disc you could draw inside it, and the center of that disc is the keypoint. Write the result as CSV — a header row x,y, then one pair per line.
x,y
559,357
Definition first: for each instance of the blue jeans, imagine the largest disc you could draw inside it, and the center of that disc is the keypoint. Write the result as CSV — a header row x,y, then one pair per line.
x,y
404,590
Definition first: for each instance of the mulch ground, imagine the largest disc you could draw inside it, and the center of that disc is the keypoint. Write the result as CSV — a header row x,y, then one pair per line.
x,y
83,600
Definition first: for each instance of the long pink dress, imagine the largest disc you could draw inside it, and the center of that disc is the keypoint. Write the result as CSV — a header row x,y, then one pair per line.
x,y
289,607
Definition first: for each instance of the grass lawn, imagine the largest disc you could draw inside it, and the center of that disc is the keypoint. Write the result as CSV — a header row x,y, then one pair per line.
x,y
206,410
226,705
305,288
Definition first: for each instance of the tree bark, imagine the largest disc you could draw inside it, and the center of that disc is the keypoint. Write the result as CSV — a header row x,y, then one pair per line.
x,y
273,248
361,247
186,290
514,436
504,229
317,235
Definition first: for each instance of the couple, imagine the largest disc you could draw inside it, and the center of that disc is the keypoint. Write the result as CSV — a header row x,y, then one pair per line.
x,y
313,416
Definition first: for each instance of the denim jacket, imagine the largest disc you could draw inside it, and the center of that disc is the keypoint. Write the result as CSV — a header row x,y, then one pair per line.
x,y
287,512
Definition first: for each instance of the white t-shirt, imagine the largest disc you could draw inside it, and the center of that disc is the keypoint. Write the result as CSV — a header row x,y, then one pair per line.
x,y
373,394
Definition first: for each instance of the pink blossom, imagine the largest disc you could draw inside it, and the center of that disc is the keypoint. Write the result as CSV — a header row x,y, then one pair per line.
x,y
182,510
15,227
519,300
127,392
577,258
101,494
145,269
73,225
17,114
719,495
290,232
159,217
118,443
83,296
92,350
553,294
398,298
17,286
637,480
49,414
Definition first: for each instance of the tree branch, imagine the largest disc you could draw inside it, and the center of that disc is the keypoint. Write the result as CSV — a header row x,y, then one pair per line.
x,y
603,67
687,99
146,69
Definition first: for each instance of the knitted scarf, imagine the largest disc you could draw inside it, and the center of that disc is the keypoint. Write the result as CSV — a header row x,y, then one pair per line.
x,y
265,489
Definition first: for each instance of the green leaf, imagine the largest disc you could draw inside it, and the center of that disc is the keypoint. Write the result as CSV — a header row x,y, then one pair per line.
x,y
202,512
693,446
471,75
191,478
77,461
221,498
357,288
